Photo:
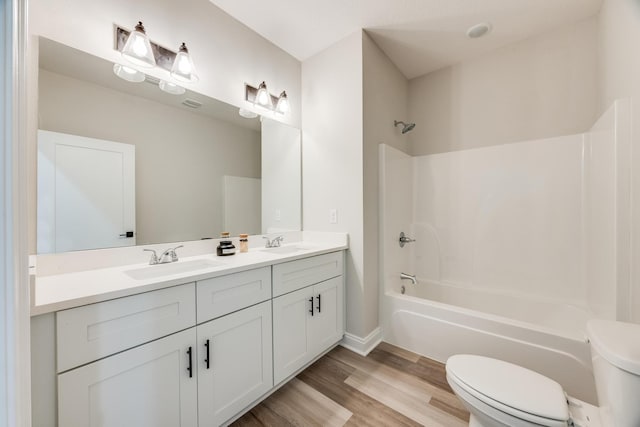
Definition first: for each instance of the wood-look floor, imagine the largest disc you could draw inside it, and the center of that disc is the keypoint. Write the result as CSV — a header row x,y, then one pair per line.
x,y
389,387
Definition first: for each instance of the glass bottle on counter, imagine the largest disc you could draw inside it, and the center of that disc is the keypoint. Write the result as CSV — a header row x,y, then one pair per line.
x,y
226,246
244,243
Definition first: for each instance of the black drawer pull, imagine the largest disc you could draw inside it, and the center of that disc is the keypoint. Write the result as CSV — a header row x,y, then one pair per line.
x,y
319,303
311,301
206,360
190,367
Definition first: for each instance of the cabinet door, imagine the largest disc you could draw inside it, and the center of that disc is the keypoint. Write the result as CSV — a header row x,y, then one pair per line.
x,y
237,368
290,329
327,326
145,386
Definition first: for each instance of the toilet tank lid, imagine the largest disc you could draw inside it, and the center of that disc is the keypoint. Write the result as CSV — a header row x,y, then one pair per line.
x,y
617,342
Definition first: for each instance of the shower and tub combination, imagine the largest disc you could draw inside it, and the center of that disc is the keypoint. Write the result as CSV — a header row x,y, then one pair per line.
x,y
516,247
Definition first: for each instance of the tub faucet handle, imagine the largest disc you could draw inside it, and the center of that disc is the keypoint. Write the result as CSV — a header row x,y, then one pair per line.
x,y
404,239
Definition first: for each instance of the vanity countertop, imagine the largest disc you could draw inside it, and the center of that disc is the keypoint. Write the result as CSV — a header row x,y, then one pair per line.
x,y
68,290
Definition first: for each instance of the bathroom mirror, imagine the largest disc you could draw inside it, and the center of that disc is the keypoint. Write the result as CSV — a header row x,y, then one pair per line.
x,y
199,167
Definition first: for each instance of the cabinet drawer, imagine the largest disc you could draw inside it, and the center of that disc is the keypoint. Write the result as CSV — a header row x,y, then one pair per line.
x,y
222,295
94,331
290,276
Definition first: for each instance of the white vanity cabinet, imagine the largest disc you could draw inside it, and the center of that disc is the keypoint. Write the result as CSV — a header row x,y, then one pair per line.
x,y
91,332
235,348
309,320
148,385
139,361
197,354
234,363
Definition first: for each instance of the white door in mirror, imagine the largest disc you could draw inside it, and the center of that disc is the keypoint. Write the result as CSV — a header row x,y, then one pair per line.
x,y
86,193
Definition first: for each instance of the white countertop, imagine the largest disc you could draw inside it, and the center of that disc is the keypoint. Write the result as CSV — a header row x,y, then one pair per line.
x,y
63,291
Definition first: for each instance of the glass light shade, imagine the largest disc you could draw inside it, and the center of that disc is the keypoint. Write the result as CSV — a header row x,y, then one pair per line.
x,y
283,106
183,69
171,88
137,49
127,73
263,98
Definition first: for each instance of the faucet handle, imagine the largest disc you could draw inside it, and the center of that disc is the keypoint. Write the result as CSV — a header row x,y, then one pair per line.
x,y
174,255
154,256
277,240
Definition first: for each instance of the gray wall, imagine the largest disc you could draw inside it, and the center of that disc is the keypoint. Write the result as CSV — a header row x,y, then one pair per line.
x,y
541,87
385,99
332,161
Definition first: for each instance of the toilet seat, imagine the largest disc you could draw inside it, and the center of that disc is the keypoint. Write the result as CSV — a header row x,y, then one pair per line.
x,y
510,389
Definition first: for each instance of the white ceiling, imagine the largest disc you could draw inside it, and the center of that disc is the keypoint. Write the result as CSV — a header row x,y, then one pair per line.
x,y
419,36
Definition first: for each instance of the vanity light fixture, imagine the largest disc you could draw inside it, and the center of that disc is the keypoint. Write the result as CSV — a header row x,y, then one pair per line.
x,y
171,88
260,97
183,69
263,97
127,73
137,48
178,64
283,106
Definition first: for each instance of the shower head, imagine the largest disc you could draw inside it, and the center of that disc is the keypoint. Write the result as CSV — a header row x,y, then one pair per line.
x,y
406,127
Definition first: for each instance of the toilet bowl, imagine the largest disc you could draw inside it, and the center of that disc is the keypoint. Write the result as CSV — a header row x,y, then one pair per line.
x,y
501,394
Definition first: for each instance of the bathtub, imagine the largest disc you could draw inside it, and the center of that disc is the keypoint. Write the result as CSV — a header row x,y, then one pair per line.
x,y
438,321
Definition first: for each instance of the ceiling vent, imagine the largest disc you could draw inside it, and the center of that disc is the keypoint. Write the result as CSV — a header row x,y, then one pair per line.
x,y
152,80
191,103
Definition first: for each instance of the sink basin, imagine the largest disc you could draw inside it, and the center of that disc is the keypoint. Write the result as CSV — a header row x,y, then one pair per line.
x,y
154,271
283,250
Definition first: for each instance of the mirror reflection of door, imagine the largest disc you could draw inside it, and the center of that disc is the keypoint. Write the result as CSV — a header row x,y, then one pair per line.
x,y
86,193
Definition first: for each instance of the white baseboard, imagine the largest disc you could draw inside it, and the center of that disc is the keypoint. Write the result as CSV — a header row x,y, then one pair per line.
x,y
362,346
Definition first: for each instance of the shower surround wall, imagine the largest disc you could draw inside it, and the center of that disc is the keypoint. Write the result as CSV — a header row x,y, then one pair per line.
x,y
505,218
518,245
545,219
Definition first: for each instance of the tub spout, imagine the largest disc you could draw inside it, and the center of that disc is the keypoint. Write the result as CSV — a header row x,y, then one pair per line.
x,y
405,276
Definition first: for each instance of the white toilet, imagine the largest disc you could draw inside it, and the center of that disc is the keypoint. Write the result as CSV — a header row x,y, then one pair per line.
x,y
499,393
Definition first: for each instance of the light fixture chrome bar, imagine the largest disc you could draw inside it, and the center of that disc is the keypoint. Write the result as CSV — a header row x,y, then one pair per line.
x,y
164,57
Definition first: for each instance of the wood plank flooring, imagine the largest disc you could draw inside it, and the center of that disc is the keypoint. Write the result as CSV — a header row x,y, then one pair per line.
x,y
389,387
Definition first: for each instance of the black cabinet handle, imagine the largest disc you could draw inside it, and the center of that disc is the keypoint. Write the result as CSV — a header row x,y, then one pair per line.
x,y
311,301
319,303
206,360
190,367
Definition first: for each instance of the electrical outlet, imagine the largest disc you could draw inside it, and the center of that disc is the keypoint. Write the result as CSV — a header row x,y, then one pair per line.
x,y
277,215
333,216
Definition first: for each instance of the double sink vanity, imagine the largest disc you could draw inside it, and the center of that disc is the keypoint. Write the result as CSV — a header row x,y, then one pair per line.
x,y
194,342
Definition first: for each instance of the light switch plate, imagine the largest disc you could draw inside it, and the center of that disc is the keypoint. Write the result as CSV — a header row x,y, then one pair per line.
x,y
333,216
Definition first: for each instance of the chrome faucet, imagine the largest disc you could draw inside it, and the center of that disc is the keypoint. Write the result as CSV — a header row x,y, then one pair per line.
x,y
405,276
274,243
167,256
